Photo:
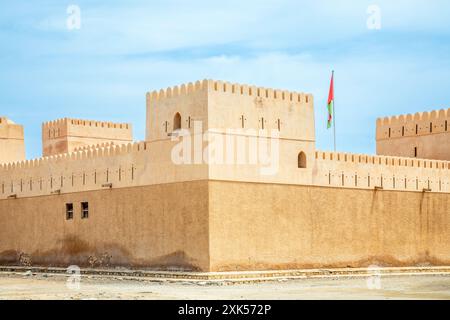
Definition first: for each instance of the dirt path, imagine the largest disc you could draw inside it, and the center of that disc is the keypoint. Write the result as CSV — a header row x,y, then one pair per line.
x,y
38,286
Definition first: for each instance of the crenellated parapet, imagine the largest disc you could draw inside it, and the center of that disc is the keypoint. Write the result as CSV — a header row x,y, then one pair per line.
x,y
382,160
178,91
419,135
89,152
229,88
96,146
86,169
337,169
222,105
65,135
420,123
259,92
60,127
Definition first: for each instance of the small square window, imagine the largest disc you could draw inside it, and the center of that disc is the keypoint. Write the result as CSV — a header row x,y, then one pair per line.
x,y
84,210
69,211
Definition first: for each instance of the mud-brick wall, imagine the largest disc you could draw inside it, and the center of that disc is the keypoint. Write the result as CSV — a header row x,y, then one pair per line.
x,y
160,226
269,226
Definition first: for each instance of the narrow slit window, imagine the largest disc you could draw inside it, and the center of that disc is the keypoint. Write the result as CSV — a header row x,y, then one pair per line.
x,y
415,152
69,211
84,210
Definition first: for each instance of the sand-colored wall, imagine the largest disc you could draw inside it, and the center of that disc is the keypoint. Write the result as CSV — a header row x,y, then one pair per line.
x,y
223,226
190,101
137,227
66,135
12,146
359,171
270,226
429,132
149,163
289,113
288,125
223,106
118,166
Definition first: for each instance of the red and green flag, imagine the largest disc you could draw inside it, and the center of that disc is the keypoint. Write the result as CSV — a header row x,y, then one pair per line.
x,y
330,105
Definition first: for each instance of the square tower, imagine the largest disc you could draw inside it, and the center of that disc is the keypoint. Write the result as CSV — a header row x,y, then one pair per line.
x,y
222,105
236,123
12,146
66,135
424,135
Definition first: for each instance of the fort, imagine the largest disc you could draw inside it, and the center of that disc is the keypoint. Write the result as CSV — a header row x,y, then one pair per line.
x,y
96,195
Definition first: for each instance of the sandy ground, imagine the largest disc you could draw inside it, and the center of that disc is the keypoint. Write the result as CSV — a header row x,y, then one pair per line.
x,y
38,286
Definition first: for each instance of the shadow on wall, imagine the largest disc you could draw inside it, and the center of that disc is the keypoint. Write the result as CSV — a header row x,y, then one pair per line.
x,y
74,251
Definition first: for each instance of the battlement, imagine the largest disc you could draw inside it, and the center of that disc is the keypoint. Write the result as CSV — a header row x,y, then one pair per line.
x,y
64,135
360,171
418,116
88,152
58,127
222,105
259,92
419,135
382,160
86,123
420,123
227,87
93,168
177,91
96,146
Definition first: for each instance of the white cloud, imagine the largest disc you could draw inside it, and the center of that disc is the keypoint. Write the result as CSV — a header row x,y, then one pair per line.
x,y
125,49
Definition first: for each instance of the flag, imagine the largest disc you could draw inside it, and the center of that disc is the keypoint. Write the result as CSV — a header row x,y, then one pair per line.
x,y
330,105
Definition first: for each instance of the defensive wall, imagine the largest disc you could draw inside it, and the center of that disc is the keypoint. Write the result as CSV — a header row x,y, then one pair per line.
x,y
359,171
265,226
143,163
65,135
421,135
95,168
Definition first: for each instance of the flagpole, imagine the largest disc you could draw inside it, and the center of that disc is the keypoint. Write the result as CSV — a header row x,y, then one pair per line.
x,y
334,114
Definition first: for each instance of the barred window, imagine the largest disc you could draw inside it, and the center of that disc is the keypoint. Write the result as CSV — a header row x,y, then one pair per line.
x,y
84,210
69,211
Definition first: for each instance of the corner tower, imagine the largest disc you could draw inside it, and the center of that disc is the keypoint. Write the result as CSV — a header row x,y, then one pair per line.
x,y
65,135
12,146
238,116
423,135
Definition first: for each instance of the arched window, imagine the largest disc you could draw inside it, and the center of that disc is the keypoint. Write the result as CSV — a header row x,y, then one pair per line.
x,y
177,121
302,160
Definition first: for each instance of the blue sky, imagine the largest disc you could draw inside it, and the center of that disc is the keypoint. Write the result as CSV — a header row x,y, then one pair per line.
x,y
126,48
